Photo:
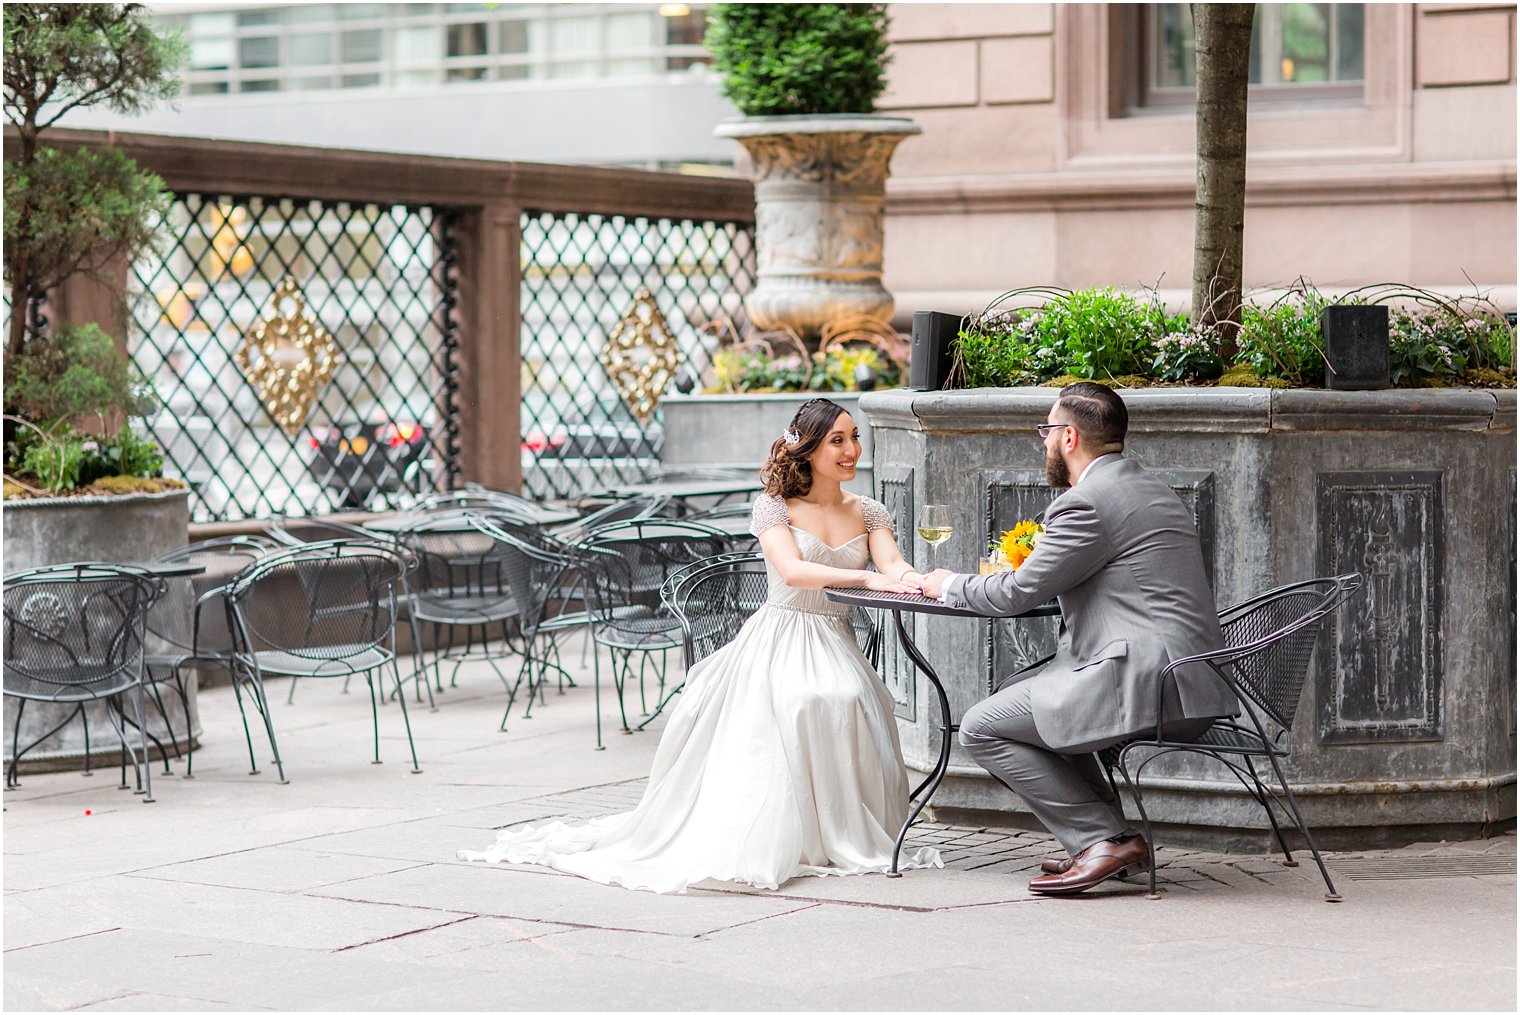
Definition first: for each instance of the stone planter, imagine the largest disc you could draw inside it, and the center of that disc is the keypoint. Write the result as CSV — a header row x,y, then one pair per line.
x,y
737,430
58,530
1406,728
820,183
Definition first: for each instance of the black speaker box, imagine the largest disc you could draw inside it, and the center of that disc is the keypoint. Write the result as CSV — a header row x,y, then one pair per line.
x,y
1356,347
934,336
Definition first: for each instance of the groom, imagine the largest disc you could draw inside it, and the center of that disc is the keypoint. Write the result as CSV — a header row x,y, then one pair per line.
x,y
1121,554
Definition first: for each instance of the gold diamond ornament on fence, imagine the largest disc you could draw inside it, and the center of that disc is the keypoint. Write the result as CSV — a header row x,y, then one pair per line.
x,y
287,357
641,356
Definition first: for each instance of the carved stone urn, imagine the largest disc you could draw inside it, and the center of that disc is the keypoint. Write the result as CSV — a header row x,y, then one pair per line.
x,y
820,186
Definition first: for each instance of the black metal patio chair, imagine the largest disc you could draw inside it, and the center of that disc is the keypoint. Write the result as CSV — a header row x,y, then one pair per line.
x,y
74,635
295,530
188,627
460,589
712,598
317,610
624,566
1268,643
545,578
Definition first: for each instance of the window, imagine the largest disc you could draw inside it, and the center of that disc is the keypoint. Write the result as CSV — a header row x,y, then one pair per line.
x,y
262,51
299,47
1298,51
362,46
467,40
311,48
514,36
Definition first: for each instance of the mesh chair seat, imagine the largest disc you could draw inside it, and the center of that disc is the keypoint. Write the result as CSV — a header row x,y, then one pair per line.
x,y
329,661
86,683
652,640
490,608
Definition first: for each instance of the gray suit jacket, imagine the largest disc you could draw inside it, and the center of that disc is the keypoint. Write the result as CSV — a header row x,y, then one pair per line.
x,y
1121,554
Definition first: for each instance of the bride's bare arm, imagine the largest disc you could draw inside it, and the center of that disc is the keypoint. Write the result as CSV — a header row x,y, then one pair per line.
x,y
888,557
780,548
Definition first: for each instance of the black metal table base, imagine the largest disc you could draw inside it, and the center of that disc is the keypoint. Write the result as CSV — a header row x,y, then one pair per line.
x,y
919,798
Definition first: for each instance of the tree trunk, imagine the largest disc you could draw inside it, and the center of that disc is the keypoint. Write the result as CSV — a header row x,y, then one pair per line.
x,y
1223,33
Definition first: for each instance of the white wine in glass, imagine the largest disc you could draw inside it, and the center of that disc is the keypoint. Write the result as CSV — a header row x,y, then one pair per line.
x,y
935,528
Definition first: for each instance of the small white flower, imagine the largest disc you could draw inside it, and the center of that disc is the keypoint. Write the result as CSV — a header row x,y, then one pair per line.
x,y
792,438
91,446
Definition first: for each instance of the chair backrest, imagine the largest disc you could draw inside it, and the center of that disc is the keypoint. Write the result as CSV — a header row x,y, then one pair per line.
x,y
629,509
74,632
454,558
714,598
173,617
535,574
654,549
1271,637
474,496
318,601
295,531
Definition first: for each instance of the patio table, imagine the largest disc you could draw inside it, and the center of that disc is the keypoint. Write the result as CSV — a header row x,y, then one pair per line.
x,y
911,602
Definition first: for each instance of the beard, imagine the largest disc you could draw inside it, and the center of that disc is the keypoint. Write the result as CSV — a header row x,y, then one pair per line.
x,y
1056,472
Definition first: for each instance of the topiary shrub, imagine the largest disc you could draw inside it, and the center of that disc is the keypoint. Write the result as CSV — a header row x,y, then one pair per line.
x,y
797,59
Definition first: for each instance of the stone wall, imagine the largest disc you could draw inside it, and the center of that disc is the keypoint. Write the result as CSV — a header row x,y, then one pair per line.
x,y
1406,729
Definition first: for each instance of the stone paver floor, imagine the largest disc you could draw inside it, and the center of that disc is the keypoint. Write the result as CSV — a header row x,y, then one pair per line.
x,y
340,891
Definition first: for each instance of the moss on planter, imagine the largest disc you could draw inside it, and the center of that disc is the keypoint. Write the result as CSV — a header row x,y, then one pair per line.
x,y
1241,376
109,486
1483,377
1122,381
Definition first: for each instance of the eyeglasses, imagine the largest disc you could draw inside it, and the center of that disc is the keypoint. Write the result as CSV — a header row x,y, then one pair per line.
x,y
1045,428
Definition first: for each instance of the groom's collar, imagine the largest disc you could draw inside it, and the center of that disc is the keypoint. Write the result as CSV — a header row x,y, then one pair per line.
x,y
1112,456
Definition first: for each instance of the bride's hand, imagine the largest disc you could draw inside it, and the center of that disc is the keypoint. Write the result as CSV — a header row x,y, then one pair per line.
x,y
878,582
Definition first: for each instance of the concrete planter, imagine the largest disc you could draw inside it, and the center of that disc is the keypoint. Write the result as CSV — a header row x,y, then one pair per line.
x,y
737,430
820,185
63,529
1406,728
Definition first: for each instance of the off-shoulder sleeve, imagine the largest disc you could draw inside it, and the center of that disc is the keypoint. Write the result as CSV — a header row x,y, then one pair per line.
x,y
767,513
875,514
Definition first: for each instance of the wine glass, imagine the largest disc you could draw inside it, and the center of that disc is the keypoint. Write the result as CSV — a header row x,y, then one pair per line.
x,y
935,528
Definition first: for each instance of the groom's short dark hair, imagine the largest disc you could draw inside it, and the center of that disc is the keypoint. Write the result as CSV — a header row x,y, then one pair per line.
x,y
1098,413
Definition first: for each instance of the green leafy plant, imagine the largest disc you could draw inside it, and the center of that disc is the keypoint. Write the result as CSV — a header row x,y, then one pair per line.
x,y
1100,333
1283,339
1091,334
1425,349
786,59
1189,354
69,212
78,372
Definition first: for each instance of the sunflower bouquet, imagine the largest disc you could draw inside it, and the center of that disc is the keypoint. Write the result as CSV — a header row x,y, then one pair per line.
x,y
1015,545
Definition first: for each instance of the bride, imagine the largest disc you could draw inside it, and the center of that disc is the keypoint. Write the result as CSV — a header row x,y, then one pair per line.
x,y
781,758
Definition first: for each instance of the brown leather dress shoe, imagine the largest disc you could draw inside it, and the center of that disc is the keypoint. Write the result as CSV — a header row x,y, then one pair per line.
x,y
1054,866
1093,866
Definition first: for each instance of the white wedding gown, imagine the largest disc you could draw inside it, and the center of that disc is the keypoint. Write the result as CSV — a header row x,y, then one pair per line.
x,y
780,759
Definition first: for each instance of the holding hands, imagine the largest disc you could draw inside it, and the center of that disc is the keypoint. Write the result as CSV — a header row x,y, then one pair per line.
x,y
906,581
933,583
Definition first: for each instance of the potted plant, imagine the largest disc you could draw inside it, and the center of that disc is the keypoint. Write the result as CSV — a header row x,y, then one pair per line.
x,y
806,78
70,216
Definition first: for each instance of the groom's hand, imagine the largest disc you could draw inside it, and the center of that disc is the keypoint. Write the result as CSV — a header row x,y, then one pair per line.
x,y
933,583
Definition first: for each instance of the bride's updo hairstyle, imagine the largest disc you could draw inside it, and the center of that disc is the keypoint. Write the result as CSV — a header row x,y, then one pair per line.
x,y
787,472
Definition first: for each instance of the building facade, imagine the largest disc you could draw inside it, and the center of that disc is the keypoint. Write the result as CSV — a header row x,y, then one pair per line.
x,y
1058,140
1058,148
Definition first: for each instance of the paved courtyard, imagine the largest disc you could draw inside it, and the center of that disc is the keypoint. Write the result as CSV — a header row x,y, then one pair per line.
x,y
340,891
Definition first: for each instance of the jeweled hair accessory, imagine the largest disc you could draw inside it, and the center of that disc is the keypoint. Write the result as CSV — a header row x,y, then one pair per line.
x,y
792,438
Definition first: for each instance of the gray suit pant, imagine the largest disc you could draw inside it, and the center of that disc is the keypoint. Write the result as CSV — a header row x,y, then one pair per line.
x,y
1066,790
